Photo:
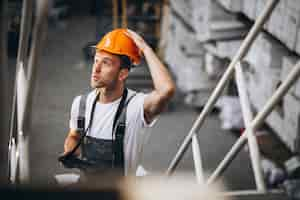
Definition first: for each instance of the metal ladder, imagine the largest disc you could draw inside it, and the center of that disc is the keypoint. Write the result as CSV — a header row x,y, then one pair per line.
x,y
251,123
23,88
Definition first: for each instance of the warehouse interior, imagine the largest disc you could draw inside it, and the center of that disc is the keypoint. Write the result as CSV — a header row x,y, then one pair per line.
x,y
234,120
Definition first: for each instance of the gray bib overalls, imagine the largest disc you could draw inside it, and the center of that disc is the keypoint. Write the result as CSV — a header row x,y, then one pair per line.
x,y
99,156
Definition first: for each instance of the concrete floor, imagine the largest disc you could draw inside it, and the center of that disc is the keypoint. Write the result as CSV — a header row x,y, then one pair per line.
x,y
63,74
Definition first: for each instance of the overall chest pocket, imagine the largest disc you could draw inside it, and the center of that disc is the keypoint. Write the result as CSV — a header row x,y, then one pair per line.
x,y
98,151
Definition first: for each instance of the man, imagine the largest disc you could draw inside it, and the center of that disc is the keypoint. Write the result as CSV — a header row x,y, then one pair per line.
x,y
115,54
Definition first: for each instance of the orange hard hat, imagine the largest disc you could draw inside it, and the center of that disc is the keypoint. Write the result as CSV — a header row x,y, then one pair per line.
x,y
117,42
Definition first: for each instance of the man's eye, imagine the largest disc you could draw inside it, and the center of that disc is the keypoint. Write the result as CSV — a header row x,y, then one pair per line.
x,y
106,62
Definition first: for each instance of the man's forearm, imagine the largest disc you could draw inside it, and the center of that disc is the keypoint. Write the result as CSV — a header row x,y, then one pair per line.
x,y
161,77
164,87
70,143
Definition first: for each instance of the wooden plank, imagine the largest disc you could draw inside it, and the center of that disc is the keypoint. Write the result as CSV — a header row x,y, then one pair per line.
x,y
213,22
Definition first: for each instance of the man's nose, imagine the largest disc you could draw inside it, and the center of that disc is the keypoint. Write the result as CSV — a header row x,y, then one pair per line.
x,y
97,67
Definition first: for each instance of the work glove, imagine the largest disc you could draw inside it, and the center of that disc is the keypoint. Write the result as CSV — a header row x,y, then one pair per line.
x,y
71,161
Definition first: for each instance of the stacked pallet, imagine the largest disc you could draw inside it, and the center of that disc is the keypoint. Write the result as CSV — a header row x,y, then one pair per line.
x,y
185,57
218,26
191,26
265,58
269,60
223,48
212,22
264,76
204,35
284,23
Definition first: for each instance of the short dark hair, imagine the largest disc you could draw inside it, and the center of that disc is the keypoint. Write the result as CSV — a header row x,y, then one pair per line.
x,y
125,62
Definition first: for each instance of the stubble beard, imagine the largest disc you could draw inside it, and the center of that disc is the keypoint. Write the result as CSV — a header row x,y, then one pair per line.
x,y
99,84
96,84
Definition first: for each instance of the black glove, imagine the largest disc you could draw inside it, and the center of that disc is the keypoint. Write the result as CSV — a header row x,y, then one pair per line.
x,y
72,161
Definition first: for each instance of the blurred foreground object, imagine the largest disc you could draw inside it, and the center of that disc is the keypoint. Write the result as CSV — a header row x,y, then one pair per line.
x,y
177,187
183,187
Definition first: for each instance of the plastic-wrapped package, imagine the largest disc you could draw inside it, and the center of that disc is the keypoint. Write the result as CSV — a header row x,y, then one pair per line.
x,y
231,113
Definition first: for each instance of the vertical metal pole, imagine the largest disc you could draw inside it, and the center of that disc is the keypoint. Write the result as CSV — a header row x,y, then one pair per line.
x,y
22,142
13,161
248,117
4,97
12,146
124,14
115,16
38,36
25,26
258,120
221,84
164,24
197,159
158,25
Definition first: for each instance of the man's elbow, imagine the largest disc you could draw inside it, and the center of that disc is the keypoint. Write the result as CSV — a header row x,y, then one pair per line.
x,y
168,92
171,91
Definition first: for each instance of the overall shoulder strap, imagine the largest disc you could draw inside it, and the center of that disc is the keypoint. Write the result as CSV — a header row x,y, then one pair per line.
x,y
119,131
81,120
81,114
122,118
120,107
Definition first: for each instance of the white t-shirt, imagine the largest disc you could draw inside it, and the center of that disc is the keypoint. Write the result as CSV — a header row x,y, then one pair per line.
x,y
103,121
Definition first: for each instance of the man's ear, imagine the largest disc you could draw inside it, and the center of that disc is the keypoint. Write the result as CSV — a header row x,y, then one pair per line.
x,y
123,74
